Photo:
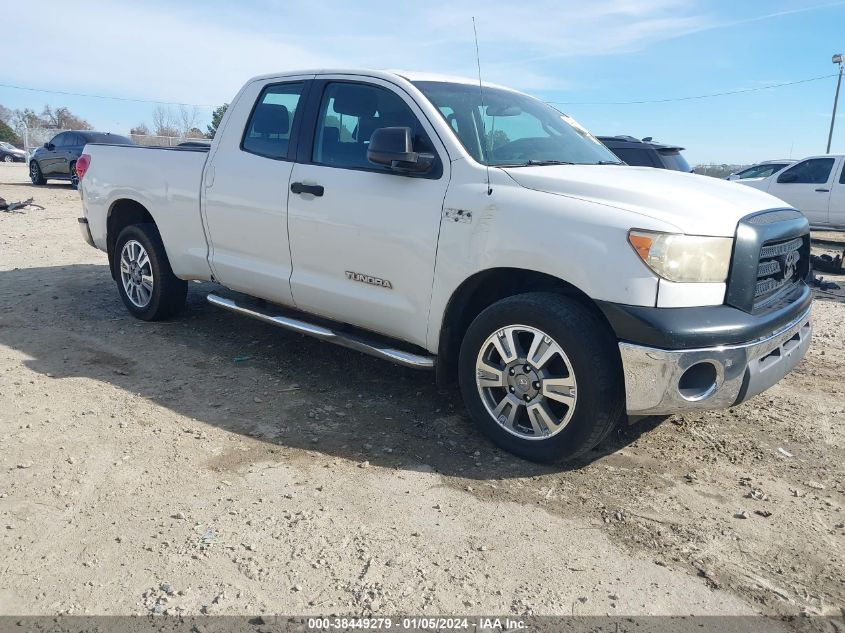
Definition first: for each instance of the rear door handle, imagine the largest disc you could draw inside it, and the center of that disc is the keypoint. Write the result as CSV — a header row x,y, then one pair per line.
x,y
314,190
823,190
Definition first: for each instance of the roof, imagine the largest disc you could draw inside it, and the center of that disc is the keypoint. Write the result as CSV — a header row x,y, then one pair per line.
x,y
407,75
623,141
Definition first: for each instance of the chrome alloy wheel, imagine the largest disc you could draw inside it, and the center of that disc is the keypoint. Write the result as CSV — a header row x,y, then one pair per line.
x,y
526,382
136,273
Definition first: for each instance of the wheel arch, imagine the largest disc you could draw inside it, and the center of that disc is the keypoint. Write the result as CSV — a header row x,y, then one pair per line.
x,y
482,290
122,213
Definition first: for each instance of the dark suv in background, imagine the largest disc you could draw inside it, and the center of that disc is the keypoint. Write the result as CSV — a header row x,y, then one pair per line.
x,y
56,160
646,153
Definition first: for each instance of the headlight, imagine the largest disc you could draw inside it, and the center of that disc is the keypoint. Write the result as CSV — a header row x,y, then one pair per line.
x,y
684,258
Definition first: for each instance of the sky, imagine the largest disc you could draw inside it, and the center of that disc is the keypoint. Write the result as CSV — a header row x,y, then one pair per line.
x,y
587,55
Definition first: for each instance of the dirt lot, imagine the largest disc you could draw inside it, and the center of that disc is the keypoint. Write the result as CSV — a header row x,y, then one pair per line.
x,y
218,465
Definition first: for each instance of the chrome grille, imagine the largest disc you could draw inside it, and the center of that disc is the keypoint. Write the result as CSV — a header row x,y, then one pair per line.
x,y
779,267
771,258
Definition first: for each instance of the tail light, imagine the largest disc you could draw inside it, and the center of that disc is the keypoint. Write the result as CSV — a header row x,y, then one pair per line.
x,y
82,165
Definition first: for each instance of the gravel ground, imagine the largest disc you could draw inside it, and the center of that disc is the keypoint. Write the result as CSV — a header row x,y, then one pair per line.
x,y
214,464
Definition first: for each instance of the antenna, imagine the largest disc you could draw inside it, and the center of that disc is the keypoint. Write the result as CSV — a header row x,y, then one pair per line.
x,y
481,92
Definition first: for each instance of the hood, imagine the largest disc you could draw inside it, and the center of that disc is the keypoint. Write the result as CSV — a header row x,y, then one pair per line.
x,y
697,205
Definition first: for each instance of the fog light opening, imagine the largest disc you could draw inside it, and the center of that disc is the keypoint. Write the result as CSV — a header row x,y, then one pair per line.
x,y
698,382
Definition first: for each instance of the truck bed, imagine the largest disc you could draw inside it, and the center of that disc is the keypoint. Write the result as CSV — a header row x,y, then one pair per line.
x,y
167,182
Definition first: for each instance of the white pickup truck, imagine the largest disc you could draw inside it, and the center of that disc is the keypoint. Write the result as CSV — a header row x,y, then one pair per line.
x,y
815,186
437,223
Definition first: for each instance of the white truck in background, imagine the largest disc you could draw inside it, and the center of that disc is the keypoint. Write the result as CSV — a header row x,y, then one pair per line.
x,y
478,231
815,186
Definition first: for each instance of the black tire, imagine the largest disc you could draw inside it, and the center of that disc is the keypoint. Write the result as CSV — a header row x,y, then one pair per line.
x,y
35,174
168,293
74,178
592,352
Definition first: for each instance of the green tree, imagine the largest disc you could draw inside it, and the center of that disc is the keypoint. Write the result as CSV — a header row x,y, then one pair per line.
x,y
216,117
8,135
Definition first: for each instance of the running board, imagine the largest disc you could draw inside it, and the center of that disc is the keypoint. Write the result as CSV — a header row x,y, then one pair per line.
x,y
400,357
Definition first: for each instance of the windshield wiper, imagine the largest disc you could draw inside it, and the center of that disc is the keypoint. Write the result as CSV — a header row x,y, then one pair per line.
x,y
533,163
608,162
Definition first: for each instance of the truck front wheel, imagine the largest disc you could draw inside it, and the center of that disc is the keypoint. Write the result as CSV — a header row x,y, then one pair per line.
x,y
541,375
145,281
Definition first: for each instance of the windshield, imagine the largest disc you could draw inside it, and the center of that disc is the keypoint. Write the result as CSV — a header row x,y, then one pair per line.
x,y
512,129
5,145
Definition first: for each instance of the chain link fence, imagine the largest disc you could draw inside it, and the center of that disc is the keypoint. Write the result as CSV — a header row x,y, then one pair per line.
x,y
33,138
162,141
716,170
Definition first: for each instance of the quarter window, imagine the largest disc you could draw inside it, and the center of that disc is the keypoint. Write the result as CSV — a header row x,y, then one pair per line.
x,y
349,114
815,171
268,129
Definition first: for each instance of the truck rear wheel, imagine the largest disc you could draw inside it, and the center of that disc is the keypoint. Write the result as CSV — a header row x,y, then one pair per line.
x,y
145,281
541,375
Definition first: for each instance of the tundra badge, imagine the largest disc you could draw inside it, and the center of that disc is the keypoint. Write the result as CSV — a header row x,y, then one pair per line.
x,y
369,279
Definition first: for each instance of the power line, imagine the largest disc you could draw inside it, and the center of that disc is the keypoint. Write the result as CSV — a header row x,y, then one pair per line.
x,y
79,94
707,96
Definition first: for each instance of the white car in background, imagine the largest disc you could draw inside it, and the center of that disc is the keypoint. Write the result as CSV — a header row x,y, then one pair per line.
x,y
761,170
815,186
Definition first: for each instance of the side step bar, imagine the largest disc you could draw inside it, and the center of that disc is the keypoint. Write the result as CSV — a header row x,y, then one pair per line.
x,y
400,357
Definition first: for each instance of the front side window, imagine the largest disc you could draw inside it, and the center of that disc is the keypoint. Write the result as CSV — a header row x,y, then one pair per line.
x,y
349,114
814,171
268,129
60,140
512,129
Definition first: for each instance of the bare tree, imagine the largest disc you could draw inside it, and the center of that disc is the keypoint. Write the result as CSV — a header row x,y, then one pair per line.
x,y
164,122
188,116
63,119
6,115
141,130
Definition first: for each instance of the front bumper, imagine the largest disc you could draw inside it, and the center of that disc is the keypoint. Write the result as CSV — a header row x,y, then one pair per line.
x,y
660,381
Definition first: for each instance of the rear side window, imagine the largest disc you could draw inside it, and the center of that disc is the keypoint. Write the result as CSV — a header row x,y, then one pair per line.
x,y
815,171
268,129
842,175
673,159
635,156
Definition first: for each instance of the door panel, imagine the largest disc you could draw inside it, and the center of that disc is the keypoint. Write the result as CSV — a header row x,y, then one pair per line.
x,y
245,195
364,251
806,186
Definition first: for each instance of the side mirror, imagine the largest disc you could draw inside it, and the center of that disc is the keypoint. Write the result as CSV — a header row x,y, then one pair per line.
x,y
49,146
789,176
394,147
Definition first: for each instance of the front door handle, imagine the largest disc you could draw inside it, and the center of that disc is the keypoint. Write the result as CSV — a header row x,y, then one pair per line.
x,y
823,190
314,190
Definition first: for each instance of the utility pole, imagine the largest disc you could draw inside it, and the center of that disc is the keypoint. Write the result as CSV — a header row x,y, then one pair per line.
x,y
837,59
